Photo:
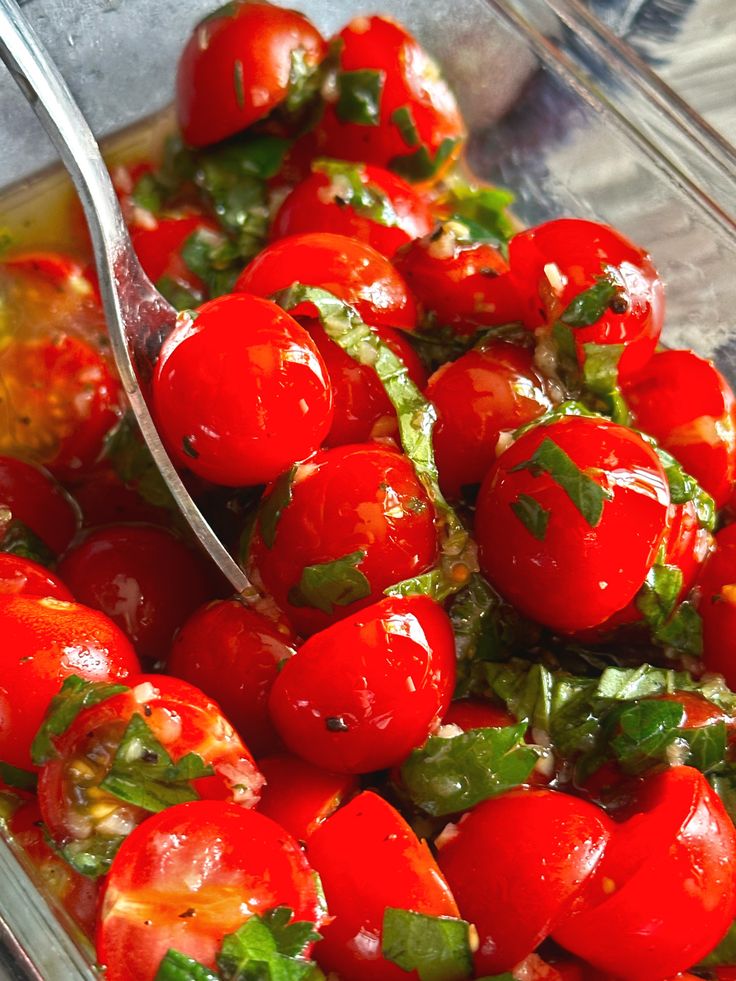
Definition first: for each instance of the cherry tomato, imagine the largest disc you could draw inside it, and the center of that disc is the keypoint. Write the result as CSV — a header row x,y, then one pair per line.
x,y
22,576
143,577
699,711
484,393
717,606
688,406
240,391
537,847
474,713
237,67
554,263
368,859
360,506
34,498
300,797
571,565
44,641
462,284
387,214
349,269
398,113
159,249
220,861
233,654
360,695
664,892
105,500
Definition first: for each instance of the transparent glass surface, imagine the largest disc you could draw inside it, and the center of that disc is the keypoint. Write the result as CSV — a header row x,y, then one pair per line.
x,y
556,111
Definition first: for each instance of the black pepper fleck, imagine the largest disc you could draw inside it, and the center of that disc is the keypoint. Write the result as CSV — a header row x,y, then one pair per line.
x,y
336,723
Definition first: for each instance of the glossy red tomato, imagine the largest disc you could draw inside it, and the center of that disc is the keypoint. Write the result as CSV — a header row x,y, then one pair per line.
x,y
569,520
105,500
44,641
33,497
717,606
159,249
664,892
360,506
368,858
143,577
398,113
474,713
240,391
360,695
219,861
237,67
351,270
688,406
22,576
384,210
233,654
462,284
299,796
555,262
537,847
486,392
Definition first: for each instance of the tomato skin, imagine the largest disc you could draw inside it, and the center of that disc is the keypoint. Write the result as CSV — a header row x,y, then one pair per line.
x,y
581,250
489,390
368,858
345,267
159,246
22,576
233,654
33,497
44,641
235,68
105,500
475,713
362,497
410,79
360,695
676,855
224,862
143,577
241,392
315,205
688,406
578,575
717,606
537,847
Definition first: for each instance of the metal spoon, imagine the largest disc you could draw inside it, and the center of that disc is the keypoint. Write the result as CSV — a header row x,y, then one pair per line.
x,y
138,318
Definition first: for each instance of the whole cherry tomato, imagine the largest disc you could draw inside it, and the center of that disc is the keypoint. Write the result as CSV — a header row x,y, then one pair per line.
x,y
22,576
368,859
348,524
105,500
688,406
238,66
240,391
361,201
33,497
233,654
159,249
360,695
537,847
349,269
488,391
569,520
143,577
44,641
716,588
192,874
664,892
393,108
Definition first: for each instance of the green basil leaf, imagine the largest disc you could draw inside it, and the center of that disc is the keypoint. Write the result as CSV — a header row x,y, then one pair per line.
x,y
179,296
239,83
645,731
147,194
131,460
176,966
18,539
585,493
359,96
484,209
683,487
532,515
658,596
348,189
75,695
331,584
214,259
420,165
590,305
403,118
724,954
436,947
305,80
683,631
708,745
269,947
600,376
13,776
272,507
723,780
91,857
448,775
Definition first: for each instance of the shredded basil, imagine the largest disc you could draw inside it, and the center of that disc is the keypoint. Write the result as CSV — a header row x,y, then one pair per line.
x,y
436,947
359,96
420,165
589,306
483,209
600,376
272,507
331,584
532,515
18,539
352,191
131,460
91,857
404,121
18,779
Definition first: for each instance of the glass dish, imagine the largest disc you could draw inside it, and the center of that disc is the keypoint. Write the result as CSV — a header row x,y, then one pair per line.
x,y
556,112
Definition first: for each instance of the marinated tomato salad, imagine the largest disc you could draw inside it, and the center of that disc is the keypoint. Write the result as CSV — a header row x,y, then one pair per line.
x,y
474,719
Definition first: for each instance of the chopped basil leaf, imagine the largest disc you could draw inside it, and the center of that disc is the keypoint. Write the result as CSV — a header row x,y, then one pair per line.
x,y
590,305
13,776
707,744
269,947
585,493
75,695
683,631
176,966
143,773
532,515
723,780
348,189
484,209
359,96
180,297
276,502
131,460
436,947
404,120
304,81
450,775
147,194
600,376
644,731
683,487
239,83
18,539
93,856
420,165
657,597
724,954
331,584
214,259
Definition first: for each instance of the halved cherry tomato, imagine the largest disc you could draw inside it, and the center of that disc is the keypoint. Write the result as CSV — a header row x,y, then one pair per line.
x,y
360,695
368,859
32,496
717,606
190,875
44,641
159,249
22,576
240,391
